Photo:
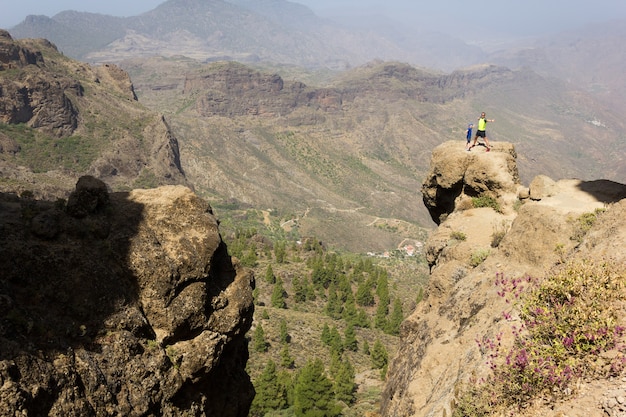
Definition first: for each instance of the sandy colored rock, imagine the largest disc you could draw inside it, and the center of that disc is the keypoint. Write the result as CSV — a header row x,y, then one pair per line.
x,y
456,174
439,349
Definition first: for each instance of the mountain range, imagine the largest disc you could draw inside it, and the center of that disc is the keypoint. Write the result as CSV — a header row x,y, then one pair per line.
x,y
308,142
244,30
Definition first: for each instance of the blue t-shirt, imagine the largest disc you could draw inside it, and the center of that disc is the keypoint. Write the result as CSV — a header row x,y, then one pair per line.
x,y
469,133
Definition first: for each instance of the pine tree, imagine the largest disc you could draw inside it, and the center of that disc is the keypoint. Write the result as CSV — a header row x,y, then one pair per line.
x,y
344,288
270,278
359,268
382,287
349,342
340,264
249,258
286,382
270,395
349,313
362,320
382,309
284,333
335,344
379,355
395,320
326,335
313,392
344,384
335,363
259,343
364,295
278,295
380,319
299,289
366,347
333,306
280,252
286,360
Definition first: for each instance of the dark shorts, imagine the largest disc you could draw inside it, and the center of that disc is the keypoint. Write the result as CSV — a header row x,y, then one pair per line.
x,y
480,134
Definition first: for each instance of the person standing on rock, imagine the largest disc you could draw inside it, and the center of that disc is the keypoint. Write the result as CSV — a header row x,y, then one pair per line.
x,y
468,136
481,130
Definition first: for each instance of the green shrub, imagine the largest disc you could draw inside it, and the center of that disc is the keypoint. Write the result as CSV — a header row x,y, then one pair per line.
x,y
486,201
583,223
478,257
458,235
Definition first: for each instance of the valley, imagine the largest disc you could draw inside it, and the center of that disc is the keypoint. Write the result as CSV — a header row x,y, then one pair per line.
x,y
314,148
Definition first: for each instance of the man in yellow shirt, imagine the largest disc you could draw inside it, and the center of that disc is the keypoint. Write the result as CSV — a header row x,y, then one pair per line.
x,y
481,130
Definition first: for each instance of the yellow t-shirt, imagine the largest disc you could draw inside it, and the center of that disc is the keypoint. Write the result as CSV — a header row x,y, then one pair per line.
x,y
482,123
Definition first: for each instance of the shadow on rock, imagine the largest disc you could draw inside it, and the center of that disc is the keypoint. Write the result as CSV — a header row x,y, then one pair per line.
x,y
605,191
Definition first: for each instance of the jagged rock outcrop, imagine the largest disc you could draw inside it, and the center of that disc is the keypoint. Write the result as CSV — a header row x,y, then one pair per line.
x,y
28,97
231,89
439,351
15,56
456,174
117,77
120,304
86,119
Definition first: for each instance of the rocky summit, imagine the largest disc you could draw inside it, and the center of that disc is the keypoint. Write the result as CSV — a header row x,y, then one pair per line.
x,y
121,304
521,234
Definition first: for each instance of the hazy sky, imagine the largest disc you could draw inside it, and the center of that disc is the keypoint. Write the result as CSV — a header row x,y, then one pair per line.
x,y
518,17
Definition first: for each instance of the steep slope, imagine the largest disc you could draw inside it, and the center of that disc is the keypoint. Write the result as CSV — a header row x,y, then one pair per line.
x,y
110,306
62,119
468,321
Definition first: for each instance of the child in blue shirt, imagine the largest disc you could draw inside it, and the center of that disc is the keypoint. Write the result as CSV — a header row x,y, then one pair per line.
x,y
469,136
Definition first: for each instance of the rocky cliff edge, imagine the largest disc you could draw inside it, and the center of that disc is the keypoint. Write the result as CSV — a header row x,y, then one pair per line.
x,y
120,304
536,229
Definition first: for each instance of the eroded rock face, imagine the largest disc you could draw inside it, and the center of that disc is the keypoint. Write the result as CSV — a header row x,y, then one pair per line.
x,y
65,99
455,174
32,98
235,90
132,308
118,78
14,56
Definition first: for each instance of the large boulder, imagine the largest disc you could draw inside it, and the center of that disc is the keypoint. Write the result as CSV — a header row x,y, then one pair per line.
x,y
132,307
456,174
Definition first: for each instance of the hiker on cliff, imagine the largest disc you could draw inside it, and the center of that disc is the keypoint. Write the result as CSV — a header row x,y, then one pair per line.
x,y
468,136
481,130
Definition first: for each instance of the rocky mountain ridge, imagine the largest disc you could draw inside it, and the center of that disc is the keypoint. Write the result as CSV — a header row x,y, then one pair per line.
x,y
277,31
62,119
440,353
589,58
